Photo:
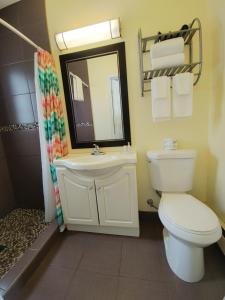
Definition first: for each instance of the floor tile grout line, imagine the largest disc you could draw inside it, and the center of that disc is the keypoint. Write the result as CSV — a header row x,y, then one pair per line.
x,y
117,288
75,272
72,277
126,276
78,265
121,256
120,266
148,280
99,273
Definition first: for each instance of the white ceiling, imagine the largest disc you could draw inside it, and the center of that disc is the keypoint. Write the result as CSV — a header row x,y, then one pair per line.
x,y
4,3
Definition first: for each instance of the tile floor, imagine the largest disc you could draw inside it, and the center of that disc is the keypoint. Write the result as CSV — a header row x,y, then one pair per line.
x,y
83,266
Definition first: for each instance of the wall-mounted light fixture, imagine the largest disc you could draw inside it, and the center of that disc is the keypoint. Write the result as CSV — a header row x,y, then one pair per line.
x,y
89,34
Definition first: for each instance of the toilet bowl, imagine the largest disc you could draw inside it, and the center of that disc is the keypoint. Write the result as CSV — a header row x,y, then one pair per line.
x,y
189,226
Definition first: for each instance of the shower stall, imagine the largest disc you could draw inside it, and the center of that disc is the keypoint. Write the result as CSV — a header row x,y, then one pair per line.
x,y
22,216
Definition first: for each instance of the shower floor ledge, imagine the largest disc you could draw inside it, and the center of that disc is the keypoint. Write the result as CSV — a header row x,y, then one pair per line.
x,y
16,277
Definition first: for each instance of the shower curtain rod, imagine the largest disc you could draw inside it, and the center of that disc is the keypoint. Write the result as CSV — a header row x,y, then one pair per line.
x,y
20,34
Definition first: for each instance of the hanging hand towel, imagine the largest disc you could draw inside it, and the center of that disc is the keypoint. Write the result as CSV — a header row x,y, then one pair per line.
x,y
161,103
167,61
168,47
77,87
182,95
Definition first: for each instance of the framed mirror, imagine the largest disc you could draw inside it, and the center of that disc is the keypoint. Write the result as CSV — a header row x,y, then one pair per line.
x,y
95,86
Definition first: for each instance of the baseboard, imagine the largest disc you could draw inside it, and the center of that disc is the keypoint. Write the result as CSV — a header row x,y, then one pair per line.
x,y
127,231
221,242
147,213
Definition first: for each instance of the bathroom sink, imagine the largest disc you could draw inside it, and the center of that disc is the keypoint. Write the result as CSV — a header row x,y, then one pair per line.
x,y
95,164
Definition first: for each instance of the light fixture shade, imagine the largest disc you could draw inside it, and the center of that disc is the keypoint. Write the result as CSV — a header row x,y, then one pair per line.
x,y
89,34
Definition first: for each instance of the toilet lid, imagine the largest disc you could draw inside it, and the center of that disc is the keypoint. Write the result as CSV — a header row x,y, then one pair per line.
x,y
187,212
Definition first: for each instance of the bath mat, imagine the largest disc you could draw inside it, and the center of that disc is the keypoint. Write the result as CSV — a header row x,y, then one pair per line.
x,y
18,230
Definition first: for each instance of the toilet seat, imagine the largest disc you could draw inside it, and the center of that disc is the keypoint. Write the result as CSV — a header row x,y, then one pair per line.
x,y
189,219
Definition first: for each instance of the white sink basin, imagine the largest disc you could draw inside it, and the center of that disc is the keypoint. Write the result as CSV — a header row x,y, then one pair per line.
x,y
96,163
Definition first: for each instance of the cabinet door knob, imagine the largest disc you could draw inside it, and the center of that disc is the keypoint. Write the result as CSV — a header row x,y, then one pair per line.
x,y
91,188
98,188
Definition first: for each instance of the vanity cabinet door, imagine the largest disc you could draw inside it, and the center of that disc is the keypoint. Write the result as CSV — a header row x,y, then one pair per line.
x,y
78,198
117,198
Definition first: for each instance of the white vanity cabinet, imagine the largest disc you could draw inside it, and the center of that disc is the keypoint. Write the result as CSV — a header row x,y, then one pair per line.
x,y
117,198
104,202
78,198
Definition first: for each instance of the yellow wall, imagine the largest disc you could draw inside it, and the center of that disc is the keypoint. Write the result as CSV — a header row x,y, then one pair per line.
x,y
151,16
216,170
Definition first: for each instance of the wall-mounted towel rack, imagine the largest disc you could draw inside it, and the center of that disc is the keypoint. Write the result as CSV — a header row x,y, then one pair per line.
x,y
187,34
85,84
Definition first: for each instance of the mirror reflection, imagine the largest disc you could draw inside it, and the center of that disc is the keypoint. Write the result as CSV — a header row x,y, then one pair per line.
x,y
96,98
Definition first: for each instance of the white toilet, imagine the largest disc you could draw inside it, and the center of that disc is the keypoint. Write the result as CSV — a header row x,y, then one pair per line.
x,y
189,225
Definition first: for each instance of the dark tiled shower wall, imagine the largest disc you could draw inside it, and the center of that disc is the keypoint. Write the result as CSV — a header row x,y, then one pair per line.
x,y
7,201
18,105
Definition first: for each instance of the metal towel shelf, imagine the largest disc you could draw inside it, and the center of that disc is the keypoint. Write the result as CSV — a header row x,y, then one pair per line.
x,y
187,34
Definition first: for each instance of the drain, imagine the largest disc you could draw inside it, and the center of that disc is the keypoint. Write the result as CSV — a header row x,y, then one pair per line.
x,y
2,247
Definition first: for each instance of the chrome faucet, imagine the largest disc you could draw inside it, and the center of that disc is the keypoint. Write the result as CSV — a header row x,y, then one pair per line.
x,y
96,150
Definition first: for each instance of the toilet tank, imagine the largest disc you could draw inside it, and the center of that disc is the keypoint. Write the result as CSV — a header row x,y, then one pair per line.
x,y
171,170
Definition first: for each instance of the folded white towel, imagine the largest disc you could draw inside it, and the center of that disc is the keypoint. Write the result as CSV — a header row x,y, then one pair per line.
x,y
167,61
182,95
159,86
77,88
161,102
168,47
183,83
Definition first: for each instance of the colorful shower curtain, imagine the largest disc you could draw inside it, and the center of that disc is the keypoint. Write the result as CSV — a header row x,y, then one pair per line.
x,y
52,129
